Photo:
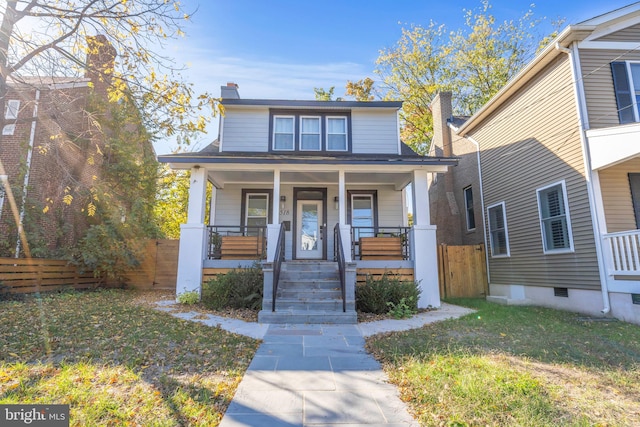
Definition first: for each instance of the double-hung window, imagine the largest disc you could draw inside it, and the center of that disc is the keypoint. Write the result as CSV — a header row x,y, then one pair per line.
x,y
468,207
284,133
498,233
310,137
256,209
336,133
11,113
554,218
626,83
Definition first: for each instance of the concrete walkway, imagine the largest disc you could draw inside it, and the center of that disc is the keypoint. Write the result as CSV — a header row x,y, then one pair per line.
x,y
317,375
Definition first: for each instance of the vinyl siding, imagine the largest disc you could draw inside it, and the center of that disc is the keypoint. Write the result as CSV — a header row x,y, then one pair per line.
x,y
631,34
616,196
531,141
602,110
374,132
246,130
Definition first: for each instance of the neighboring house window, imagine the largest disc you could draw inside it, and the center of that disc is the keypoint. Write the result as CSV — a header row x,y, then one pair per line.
x,y
283,133
11,113
626,83
554,218
498,233
468,206
1,200
337,133
634,183
256,209
310,134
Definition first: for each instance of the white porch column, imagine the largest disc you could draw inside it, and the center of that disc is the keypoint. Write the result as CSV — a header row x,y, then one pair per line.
x,y
212,206
423,243
342,200
273,229
193,236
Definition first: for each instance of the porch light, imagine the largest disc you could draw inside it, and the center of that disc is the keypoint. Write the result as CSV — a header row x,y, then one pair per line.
x,y
336,201
282,200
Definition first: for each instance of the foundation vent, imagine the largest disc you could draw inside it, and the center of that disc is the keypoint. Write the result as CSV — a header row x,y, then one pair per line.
x,y
635,299
561,292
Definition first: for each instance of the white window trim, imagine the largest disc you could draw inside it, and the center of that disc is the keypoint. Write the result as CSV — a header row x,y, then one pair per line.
x,y
8,130
570,249
506,230
293,134
636,113
13,109
346,132
466,207
246,209
319,119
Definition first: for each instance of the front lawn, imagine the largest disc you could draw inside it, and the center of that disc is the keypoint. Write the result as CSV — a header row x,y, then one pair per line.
x,y
117,362
516,366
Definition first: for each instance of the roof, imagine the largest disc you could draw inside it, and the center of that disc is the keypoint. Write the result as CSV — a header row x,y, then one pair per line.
x,y
395,105
570,34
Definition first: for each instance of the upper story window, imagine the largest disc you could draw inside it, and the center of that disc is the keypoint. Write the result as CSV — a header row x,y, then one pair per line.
x,y
310,131
11,113
626,82
554,218
283,132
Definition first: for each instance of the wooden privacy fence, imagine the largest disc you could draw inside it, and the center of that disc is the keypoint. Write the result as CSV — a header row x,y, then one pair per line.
x,y
158,269
462,271
22,275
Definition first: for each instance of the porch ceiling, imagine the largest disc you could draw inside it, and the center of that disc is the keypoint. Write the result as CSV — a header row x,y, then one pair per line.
x,y
222,177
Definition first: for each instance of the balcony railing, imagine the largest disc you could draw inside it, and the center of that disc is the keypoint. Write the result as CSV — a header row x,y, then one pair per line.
x,y
380,243
236,242
624,252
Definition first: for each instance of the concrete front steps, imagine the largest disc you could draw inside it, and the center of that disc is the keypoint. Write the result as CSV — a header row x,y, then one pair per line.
x,y
309,292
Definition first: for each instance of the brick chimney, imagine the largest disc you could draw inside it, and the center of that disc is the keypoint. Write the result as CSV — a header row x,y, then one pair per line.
x,y
441,111
230,91
101,56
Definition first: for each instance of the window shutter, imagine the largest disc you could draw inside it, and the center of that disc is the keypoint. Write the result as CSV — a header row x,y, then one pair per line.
x,y
623,92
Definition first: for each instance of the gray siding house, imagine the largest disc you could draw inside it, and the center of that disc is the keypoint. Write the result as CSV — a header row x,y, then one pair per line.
x,y
315,190
560,172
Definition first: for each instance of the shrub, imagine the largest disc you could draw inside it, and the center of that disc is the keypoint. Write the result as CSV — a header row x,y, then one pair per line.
x,y
189,297
387,294
239,288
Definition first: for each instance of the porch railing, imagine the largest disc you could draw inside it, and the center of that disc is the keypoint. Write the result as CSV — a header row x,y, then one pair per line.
x,y
339,256
400,233
277,263
624,250
236,242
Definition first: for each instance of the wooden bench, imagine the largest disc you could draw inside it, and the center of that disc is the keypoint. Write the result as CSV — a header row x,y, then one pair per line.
x,y
380,248
242,247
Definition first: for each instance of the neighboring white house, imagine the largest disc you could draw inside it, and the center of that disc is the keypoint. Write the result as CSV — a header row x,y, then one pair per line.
x,y
309,171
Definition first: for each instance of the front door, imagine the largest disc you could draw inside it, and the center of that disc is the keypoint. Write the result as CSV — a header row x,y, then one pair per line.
x,y
309,221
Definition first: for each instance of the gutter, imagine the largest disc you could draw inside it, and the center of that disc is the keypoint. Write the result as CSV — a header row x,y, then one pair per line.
x,y
586,155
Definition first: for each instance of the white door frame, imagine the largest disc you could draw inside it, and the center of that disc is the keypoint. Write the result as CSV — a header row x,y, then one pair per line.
x,y
318,252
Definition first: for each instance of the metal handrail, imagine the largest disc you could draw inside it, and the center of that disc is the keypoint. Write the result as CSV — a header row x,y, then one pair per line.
x,y
358,232
277,263
217,232
339,256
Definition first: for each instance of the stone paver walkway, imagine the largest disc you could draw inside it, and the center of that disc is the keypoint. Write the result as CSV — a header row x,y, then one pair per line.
x,y
316,375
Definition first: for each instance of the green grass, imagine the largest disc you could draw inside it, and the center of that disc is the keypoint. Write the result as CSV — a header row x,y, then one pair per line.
x,y
116,362
516,366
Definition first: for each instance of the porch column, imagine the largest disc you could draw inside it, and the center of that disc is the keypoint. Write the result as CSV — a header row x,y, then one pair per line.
x,y
345,229
212,206
423,243
193,236
273,229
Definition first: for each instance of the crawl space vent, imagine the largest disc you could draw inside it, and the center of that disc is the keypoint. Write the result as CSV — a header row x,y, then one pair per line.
x,y
561,292
635,298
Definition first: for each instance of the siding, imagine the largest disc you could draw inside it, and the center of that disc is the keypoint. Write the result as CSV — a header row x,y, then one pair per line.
x,y
631,34
374,132
602,110
616,196
532,141
246,130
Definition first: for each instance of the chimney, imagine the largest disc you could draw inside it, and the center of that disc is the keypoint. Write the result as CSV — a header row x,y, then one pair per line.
x,y
441,110
230,91
101,56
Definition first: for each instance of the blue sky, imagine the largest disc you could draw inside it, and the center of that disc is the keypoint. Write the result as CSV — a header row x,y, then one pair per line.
x,y
282,49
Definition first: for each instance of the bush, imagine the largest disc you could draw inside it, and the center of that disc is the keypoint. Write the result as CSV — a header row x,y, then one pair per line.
x,y
239,288
189,297
388,294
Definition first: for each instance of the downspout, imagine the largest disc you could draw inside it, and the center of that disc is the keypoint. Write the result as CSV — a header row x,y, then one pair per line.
x,y
25,185
586,155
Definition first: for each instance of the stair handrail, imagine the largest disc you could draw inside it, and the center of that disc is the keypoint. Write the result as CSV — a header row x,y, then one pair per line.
x,y
337,238
277,263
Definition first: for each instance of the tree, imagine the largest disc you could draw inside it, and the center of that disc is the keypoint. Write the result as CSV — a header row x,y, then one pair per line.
x,y
360,90
325,95
473,63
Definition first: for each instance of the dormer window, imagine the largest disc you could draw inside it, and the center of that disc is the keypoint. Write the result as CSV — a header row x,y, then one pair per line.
x,y
310,131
